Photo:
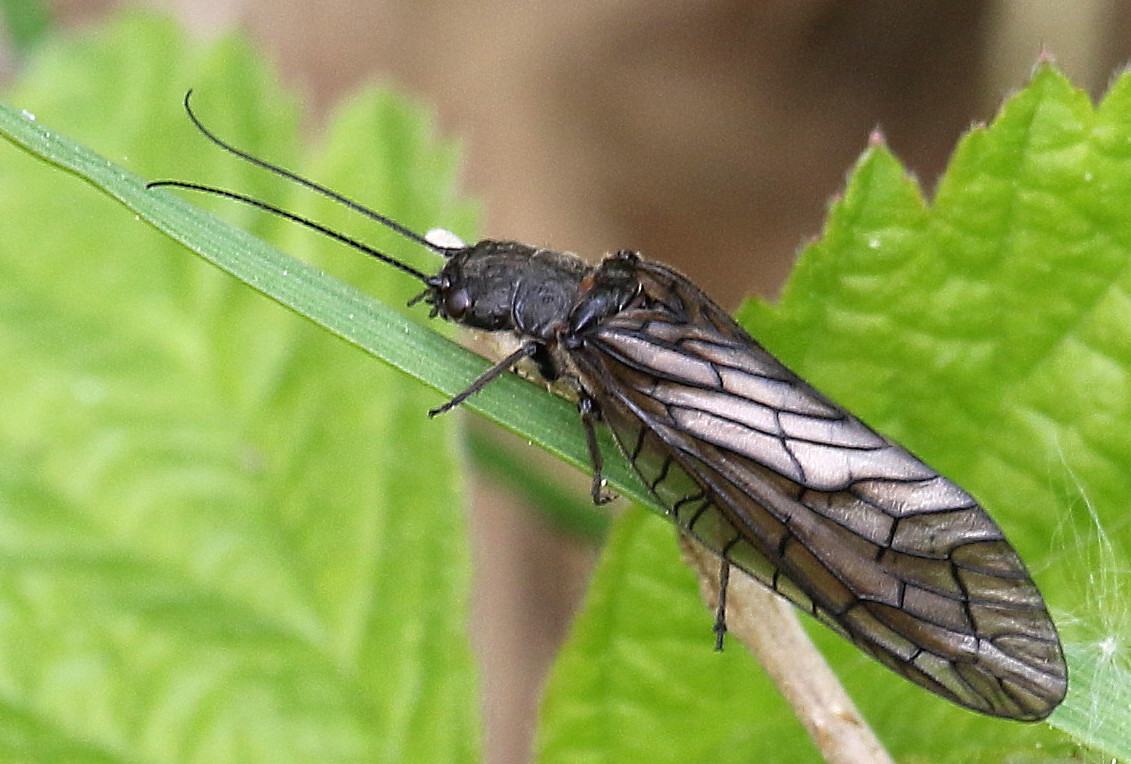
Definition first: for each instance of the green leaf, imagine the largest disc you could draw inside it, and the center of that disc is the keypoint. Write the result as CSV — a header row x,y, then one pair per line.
x,y
631,686
220,537
987,332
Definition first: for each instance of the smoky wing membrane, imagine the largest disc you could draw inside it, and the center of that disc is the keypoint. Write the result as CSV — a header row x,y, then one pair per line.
x,y
792,489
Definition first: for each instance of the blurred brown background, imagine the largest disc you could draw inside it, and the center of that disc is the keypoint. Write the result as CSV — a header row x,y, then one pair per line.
x,y
709,135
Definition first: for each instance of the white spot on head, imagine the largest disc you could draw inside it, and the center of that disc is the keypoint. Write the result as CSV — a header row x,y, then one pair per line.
x,y
27,115
443,238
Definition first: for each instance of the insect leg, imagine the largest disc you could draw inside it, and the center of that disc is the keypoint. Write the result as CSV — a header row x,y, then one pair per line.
x,y
526,351
587,407
720,627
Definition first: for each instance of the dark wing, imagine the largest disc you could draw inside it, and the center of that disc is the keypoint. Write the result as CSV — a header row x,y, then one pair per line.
x,y
795,491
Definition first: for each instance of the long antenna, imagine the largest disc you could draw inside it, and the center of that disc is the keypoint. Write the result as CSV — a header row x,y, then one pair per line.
x,y
337,236
384,220
403,230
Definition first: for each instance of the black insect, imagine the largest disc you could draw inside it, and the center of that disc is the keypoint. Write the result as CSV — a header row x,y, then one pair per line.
x,y
771,475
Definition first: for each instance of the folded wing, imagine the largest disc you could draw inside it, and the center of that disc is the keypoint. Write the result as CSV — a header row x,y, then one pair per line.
x,y
795,491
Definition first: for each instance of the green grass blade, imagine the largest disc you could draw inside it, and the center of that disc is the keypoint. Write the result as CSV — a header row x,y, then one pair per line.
x,y
382,331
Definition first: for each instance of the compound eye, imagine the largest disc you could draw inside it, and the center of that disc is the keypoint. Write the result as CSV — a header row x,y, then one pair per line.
x,y
456,303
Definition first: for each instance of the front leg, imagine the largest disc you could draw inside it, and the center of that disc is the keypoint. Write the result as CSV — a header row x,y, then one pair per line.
x,y
526,351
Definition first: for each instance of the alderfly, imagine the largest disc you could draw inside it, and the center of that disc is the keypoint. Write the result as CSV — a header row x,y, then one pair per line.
x,y
747,458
